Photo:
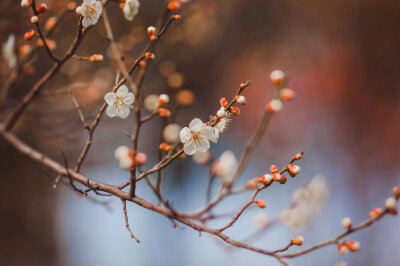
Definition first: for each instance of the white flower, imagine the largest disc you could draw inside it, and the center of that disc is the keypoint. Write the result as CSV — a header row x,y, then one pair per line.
x,y
8,51
222,126
197,137
226,166
131,8
171,133
91,11
261,220
119,103
202,157
306,202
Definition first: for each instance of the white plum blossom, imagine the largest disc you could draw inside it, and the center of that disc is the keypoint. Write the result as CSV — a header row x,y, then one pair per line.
x,y
8,51
91,11
306,202
222,126
171,133
202,157
131,9
261,220
197,137
226,166
119,103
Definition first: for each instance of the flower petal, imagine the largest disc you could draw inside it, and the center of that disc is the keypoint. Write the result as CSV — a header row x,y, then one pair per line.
x,y
209,133
203,145
123,112
196,124
185,135
110,98
111,111
86,21
130,98
122,92
189,148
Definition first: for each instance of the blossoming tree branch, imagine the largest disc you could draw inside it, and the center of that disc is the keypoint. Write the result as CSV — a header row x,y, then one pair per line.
x,y
123,101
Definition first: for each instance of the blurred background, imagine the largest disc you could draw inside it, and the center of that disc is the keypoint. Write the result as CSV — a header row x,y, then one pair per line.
x,y
343,60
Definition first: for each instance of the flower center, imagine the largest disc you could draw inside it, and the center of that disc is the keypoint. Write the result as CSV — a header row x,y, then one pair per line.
x,y
90,11
195,135
119,102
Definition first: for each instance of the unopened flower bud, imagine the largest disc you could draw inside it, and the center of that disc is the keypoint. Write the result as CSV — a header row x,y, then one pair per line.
x,y
26,3
78,10
396,191
29,35
42,8
297,157
343,249
283,179
121,151
164,112
141,158
164,147
177,17
125,162
274,106
346,223
235,111
252,183
293,170
153,38
265,179
261,203
174,5
50,23
151,30
353,246
274,169
163,99
240,100
276,177
96,58
391,203
298,241
221,113
34,19
376,212
223,102
277,77
287,94
149,56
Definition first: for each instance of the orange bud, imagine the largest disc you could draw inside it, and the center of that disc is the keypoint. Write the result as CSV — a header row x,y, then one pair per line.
x,y
273,169
141,158
376,212
287,94
261,203
164,147
298,241
164,112
153,38
176,17
396,191
174,5
252,183
235,111
29,35
50,23
42,8
223,102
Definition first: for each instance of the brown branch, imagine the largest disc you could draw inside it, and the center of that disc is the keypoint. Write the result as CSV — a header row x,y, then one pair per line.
x,y
41,36
18,111
126,220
